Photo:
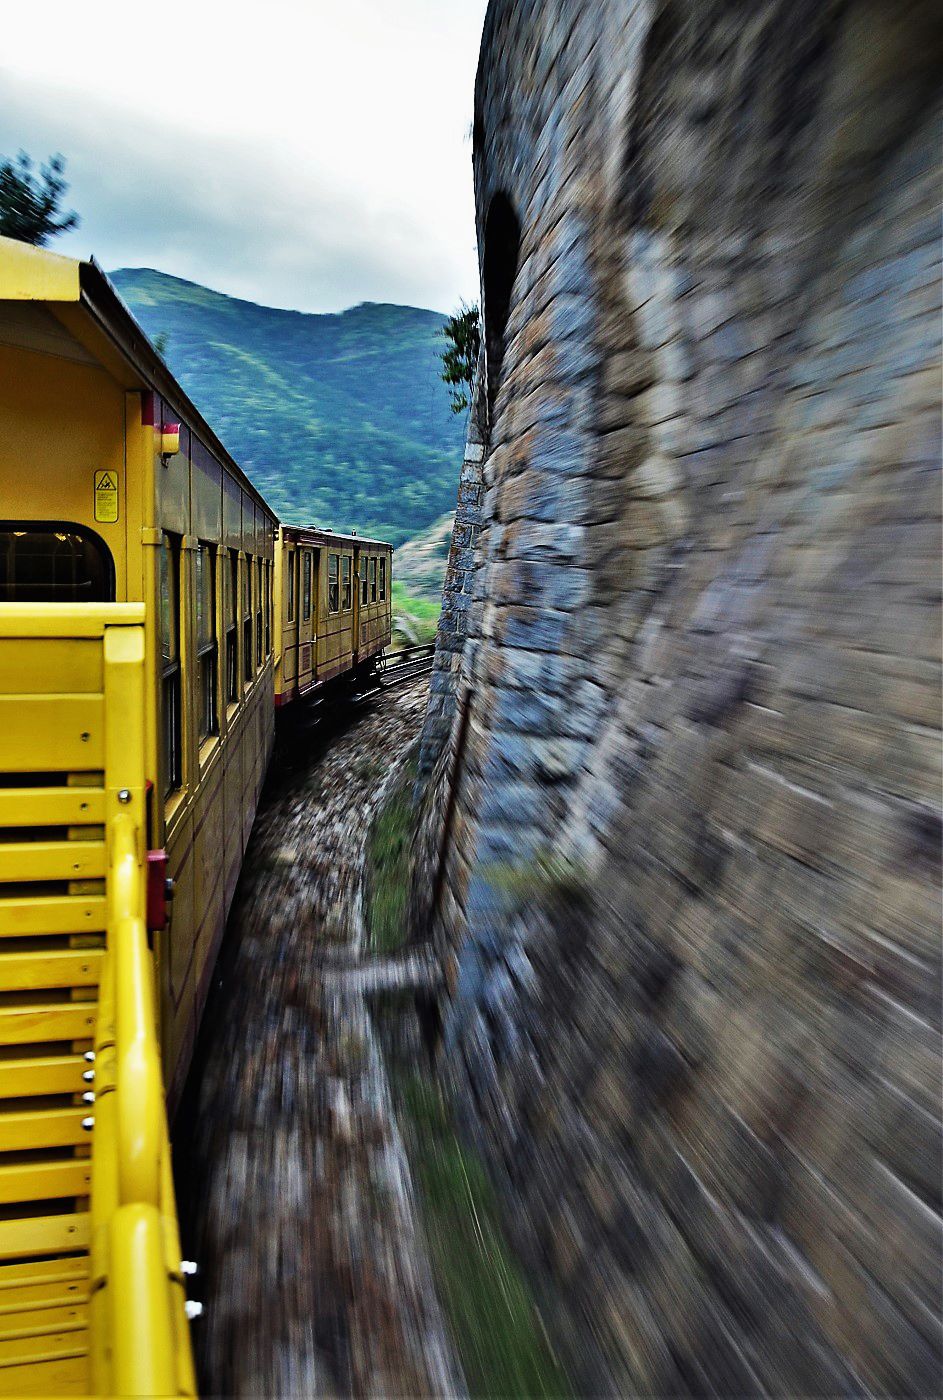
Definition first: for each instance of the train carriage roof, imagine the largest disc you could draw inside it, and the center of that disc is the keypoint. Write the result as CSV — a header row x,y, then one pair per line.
x,y
319,537
81,297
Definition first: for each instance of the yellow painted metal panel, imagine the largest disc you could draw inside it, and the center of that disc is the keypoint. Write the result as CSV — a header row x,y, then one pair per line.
x,y
20,972
52,860
51,806
15,1276
23,1025
34,1322
25,918
65,1341
44,1181
35,274
62,1376
70,1288
35,1075
30,1130
69,620
44,1234
43,733
44,668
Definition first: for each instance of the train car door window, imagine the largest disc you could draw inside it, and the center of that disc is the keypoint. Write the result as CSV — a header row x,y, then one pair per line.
x,y
347,594
206,645
333,589
171,756
364,565
258,615
373,580
382,579
247,618
48,562
306,585
290,577
232,650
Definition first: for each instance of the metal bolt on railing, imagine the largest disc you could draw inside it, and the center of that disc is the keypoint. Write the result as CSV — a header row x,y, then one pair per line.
x,y
193,1309
89,1057
88,1076
88,1096
189,1267
88,1124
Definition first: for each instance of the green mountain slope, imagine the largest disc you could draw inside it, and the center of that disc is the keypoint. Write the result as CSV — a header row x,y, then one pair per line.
x,y
339,420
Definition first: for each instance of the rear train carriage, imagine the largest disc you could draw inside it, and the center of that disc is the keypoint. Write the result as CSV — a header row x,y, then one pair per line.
x,y
136,717
143,592
333,601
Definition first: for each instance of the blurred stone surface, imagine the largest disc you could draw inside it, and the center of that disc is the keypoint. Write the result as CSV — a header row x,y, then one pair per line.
x,y
681,825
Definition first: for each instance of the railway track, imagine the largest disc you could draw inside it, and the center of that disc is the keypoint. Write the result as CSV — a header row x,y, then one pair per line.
x,y
405,665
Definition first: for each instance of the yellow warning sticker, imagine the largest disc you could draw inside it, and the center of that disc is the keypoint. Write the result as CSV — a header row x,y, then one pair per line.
x,y
106,497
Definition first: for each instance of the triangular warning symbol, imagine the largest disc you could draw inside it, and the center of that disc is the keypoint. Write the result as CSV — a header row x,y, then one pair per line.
x,y
106,482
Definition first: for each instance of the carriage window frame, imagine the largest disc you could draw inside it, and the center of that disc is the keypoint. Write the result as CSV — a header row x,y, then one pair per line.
x,y
307,571
207,644
364,570
259,625
290,584
333,583
61,529
231,591
382,578
347,582
171,690
373,579
248,671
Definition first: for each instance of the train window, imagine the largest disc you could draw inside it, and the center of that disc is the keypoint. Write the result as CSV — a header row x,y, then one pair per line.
x,y
258,614
347,599
232,626
247,618
306,585
206,645
382,579
333,590
268,609
170,697
290,579
373,580
45,562
364,564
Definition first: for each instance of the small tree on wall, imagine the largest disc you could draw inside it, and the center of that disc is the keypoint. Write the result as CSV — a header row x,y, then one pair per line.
x,y
30,201
462,331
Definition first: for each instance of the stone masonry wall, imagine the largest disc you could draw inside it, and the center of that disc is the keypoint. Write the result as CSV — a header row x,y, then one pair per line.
x,y
685,832
457,596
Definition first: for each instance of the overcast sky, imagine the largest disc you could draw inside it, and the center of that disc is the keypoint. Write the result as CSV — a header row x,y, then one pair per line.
x,y
301,153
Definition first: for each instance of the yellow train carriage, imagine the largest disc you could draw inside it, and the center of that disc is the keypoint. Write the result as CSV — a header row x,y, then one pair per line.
x,y
136,718
333,601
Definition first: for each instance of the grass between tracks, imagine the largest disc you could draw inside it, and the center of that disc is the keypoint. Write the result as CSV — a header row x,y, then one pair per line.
x,y
387,867
500,1340
490,1311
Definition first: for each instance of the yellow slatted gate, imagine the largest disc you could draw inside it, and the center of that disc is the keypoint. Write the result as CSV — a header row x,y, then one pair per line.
x,y
91,1293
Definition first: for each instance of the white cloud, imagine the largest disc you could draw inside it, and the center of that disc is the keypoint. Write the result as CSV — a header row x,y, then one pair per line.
x,y
300,154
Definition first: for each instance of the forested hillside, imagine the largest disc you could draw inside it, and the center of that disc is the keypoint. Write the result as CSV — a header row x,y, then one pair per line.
x,y
339,419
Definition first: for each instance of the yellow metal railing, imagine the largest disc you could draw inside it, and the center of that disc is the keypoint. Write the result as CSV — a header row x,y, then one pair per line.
x,y
73,703
140,1344
139,1333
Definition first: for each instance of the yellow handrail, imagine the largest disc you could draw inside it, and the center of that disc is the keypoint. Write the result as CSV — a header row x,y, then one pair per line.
x,y
137,1058
140,1343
